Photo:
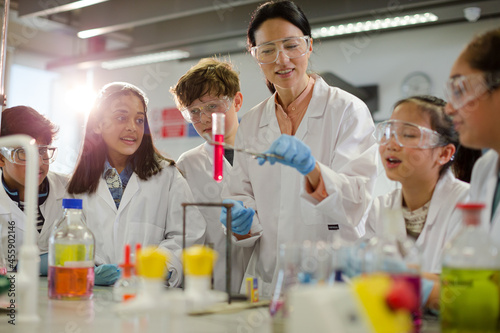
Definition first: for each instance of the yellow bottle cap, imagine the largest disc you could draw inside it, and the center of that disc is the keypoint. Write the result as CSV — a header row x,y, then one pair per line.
x,y
199,260
151,262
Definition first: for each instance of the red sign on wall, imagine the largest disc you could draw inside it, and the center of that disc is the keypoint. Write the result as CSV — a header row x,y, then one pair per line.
x,y
171,124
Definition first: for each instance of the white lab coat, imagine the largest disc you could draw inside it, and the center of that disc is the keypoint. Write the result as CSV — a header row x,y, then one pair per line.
x,y
150,213
339,129
197,166
482,189
51,210
442,223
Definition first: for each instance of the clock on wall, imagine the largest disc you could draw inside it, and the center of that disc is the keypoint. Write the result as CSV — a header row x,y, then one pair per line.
x,y
416,83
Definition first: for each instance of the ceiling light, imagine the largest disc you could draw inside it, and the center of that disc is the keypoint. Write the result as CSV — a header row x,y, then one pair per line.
x,y
54,7
145,59
390,22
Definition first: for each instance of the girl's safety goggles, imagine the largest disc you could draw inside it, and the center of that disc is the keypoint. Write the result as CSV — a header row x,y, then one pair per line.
x,y
461,90
407,134
193,113
18,155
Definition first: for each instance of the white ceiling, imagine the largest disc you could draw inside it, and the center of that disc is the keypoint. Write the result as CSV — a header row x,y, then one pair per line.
x,y
201,27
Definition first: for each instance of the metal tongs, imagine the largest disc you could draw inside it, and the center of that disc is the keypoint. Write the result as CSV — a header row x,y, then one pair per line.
x,y
254,154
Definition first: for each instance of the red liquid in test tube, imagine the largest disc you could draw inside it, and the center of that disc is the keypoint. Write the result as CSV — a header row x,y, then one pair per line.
x,y
218,120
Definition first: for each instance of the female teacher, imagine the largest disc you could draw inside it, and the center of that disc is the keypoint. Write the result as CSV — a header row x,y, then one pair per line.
x,y
275,204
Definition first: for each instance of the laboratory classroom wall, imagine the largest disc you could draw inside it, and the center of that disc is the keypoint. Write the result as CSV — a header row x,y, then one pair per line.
x,y
382,59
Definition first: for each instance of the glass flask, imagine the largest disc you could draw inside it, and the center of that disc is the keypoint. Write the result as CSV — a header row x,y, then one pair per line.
x,y
128,284
71,255
469,299
400,258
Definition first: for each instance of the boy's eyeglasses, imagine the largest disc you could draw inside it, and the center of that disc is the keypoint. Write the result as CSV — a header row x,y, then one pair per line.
x,y
461,90
18,155
407,134
292,47
193,113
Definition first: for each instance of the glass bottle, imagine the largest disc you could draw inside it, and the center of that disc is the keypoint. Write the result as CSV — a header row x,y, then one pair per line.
x,y
288,275
218,122
71,255
400,258
127,285
3,255
470,292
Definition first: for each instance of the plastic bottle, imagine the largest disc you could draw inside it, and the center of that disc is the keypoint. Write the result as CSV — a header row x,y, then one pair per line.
x,y
218,121
127,285
470,292
71,255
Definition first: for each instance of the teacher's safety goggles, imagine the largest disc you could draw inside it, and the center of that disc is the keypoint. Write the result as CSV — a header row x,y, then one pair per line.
x,y
461,90
193,113
292,47
407,134
18,155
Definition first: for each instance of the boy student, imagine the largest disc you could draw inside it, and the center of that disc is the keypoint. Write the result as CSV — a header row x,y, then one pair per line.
x,y
52,186
211,86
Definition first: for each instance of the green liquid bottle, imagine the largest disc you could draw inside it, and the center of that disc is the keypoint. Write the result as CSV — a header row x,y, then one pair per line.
x,y
470,286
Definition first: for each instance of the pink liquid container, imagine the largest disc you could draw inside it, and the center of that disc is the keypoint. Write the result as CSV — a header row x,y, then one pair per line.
x,y
218,121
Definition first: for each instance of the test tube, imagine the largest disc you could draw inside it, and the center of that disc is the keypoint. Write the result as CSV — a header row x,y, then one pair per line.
x,y
218,121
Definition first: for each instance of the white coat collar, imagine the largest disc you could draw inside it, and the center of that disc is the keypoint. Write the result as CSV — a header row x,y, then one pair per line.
x,y
444,185
397,206
130,190
208,150
315,109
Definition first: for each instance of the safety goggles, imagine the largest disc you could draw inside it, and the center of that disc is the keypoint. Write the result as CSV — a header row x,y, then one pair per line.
x,y
461,90
407,134
18,155
193,113
292,47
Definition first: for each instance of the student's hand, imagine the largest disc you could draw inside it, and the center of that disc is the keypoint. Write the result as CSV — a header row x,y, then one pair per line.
x,y
44,264
295,153
241,217
106,275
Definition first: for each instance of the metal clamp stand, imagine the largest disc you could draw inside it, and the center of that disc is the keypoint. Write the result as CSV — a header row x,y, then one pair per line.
x,y
229,233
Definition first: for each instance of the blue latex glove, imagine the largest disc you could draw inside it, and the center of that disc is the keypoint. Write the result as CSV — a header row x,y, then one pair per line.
x,y
425,292
44,264
295,153
106,275
241,217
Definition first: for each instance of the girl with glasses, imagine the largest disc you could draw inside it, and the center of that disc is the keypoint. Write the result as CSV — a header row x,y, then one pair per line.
x,y
332,189
474,105
419,149
131,193
51,185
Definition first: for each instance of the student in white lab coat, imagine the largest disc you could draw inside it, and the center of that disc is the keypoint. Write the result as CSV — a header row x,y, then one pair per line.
x,y
52,186
418,145
473,92
333,189
212,86
131,194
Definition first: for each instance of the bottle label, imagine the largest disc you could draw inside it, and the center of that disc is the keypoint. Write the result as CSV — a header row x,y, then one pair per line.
x,y
74,255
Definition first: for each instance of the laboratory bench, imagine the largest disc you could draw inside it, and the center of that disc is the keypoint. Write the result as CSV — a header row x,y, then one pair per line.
x,y
98,316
